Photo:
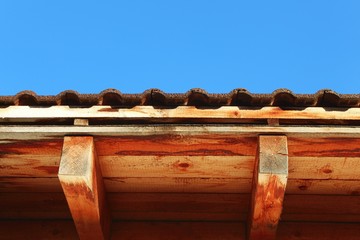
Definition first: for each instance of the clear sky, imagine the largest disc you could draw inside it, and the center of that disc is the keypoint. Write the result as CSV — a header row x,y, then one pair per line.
x,y
89,46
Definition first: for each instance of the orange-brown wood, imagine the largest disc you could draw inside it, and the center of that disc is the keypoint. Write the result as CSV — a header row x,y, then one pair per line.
x,y
60,229
82,183
269,183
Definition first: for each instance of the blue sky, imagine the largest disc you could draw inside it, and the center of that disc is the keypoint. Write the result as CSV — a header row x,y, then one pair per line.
x,y
89,46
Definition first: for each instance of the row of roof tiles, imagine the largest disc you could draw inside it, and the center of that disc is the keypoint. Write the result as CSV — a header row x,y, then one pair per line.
x,y
194,97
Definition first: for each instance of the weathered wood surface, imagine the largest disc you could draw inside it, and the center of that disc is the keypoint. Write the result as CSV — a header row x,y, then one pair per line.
x,y
31,132
335,168
182,112
36,229
318,231
126,230
131,206
186,156
57,229
81,179
269,184
185,185
181,206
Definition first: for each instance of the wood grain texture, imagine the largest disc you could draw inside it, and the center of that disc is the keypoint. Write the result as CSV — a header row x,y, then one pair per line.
x,y
269,184
318,231
56,229
185,185
126,230
181,206
81,179
182,112
31,132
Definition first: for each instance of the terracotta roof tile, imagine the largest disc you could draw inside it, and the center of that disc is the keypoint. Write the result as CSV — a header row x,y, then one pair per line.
x,y
193,97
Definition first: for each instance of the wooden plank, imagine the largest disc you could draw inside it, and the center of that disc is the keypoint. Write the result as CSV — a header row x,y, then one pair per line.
x,y
182,112
178,202
179,185
27,184
24,165
158,185
81,179
347,168
321,204
269,183
33,206
56,229
185,185
177,145
179,230
126,230
170,206
318,231
31,132
324,147
132,206
323,186
336,168
177,166
40,230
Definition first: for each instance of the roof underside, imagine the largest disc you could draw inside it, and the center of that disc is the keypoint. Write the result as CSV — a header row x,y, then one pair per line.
x,y
182,166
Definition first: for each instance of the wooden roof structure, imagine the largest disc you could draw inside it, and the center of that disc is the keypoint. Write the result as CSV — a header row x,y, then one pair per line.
x,y
180,166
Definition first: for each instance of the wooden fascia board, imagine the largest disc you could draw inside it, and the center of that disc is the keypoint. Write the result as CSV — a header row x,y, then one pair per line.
x,y
17,113
27,132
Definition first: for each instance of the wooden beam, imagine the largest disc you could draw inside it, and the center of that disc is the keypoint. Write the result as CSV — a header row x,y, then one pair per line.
x,y
17,113
269,182
30,132
82,183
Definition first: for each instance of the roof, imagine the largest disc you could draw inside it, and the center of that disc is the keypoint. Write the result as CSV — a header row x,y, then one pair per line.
x,y
236,165
193,97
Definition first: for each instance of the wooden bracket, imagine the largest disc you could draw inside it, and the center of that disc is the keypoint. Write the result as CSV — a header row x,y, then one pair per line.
x,y
269,183
82,183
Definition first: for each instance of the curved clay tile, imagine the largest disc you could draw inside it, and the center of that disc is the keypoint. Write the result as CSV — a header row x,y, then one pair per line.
x,y
196,97
240,97
110,97
26,98
68,97
283,97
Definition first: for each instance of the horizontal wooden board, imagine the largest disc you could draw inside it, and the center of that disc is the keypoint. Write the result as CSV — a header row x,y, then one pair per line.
x,y
324,208
177,145
318,231
126,230
185,185
178,166
179,230
324,168
178,185
336,168
324,147
125,206
57,229
35,229
323,186
181,206
44,132
28,113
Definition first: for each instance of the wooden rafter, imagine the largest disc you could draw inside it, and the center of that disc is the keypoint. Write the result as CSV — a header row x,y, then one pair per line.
x,y
269,183
82,183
